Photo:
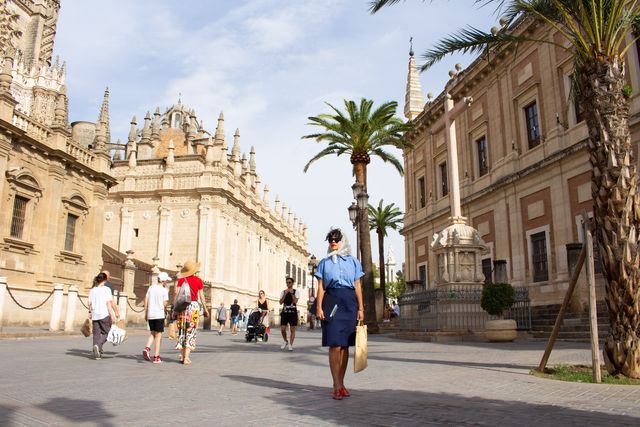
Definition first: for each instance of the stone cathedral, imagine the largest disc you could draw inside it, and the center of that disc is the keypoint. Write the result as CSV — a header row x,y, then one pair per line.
x,y
173,192
183,194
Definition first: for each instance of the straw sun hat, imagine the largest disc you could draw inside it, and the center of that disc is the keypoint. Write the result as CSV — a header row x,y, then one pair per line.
x,y
189,269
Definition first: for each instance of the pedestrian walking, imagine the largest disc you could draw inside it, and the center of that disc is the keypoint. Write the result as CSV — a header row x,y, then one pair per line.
x,y
222,317
189,318
155,306
340,306
263,305
103,312
235,317
289,314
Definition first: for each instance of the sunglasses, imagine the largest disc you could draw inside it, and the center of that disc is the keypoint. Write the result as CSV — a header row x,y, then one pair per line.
x,y
334,240
289,282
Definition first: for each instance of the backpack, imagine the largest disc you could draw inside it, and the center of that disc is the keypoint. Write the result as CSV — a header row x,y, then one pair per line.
x,y
184,297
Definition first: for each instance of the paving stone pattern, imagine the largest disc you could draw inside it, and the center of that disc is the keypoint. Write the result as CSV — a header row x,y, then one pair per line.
x,y
55,381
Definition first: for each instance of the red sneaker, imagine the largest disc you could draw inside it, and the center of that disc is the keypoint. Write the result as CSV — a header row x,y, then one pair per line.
x,y
145,354
156,359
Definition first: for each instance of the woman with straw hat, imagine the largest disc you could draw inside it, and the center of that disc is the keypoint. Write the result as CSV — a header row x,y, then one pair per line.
x,y
188,319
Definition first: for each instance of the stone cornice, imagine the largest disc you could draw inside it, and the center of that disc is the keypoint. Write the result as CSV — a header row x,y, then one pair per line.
x,y
21,137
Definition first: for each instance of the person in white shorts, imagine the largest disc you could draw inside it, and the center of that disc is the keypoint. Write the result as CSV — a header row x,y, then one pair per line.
x,y
155,305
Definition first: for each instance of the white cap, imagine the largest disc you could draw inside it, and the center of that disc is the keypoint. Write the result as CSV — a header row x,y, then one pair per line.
x,y
164,277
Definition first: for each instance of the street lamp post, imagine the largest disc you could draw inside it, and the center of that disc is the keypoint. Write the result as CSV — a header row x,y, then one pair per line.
x,y
353,216
313,264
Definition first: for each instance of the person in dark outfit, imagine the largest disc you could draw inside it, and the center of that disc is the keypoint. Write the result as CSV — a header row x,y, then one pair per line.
x,y
235,312
340,306
289,315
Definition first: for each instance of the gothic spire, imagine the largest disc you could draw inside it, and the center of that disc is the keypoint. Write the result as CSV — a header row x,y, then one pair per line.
x,y
103,119
413,101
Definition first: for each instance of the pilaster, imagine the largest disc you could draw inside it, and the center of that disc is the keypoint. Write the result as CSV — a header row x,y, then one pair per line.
x,y
164,236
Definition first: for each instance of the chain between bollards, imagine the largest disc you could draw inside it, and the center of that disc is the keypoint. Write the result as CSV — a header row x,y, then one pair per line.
x,y
29,308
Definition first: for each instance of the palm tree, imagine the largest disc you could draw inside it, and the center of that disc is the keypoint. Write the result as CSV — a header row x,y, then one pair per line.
x,y
380,219
362,132
597,35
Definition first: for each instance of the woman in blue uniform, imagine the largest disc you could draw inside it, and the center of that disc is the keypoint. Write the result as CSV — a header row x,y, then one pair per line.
x,y
339,305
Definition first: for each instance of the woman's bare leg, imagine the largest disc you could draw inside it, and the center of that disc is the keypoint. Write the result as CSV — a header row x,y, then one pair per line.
x,y
344,360
335,361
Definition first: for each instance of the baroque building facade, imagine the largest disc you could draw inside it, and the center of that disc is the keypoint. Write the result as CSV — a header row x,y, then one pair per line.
x,y
53,188
525,176
181,194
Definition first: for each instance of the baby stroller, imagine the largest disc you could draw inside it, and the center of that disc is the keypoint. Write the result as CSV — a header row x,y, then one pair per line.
x,y
255,326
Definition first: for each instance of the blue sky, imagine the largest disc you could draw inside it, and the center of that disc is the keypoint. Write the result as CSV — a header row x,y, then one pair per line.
x,y
268,64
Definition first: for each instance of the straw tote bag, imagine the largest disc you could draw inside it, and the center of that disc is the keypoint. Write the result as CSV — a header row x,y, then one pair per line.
x,y
360,357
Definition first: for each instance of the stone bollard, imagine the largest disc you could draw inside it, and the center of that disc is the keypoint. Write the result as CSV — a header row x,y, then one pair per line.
x,y
3,292
122,306
72,299
56,308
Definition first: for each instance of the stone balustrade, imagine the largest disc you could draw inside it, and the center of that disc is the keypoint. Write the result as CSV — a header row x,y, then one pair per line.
x,y
32,128
83,155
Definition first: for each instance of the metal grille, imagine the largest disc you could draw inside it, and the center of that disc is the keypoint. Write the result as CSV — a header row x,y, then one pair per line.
x,y
71,232
456,308
539,257
533,128
483,163
18,217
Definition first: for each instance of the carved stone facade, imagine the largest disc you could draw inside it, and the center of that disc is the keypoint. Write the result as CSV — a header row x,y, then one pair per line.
x,y
53,189
523,162
181,196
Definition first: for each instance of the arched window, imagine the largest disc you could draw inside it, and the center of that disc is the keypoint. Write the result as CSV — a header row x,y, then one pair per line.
x,y
176,120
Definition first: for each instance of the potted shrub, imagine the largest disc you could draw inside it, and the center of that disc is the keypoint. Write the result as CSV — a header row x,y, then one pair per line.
x,y
496,298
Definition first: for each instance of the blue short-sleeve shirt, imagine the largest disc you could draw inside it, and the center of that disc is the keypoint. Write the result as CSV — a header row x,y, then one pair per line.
x,y
341,274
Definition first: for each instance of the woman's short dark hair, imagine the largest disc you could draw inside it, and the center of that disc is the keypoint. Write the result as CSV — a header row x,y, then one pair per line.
x,y
99,279
335,233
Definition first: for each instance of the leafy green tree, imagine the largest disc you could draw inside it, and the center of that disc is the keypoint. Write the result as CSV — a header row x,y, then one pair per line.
x,y
596,32
361,132
380,219
396,288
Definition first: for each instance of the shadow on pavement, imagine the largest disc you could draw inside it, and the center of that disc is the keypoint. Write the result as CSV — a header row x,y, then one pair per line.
x,y
410,407
78,410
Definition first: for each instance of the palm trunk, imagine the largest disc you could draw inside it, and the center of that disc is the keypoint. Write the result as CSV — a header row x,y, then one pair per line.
x,y
616,209
383,273
368,293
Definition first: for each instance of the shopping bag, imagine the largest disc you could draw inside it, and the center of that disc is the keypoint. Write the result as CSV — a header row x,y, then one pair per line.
x,y
173,330
360,358
87,328
116,335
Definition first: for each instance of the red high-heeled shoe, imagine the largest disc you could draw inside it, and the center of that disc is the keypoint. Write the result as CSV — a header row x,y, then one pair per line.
x,y
336,395
344,392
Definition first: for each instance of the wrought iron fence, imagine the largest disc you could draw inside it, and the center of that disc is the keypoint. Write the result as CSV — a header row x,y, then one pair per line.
x,y
456,308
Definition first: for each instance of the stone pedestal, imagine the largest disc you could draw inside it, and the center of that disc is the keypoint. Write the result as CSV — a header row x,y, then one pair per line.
x,y
458,249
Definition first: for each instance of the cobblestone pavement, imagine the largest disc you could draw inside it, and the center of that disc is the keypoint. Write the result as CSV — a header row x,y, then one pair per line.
x,y
55,381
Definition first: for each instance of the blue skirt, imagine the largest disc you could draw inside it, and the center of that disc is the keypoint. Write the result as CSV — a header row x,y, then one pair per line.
x,y
340,329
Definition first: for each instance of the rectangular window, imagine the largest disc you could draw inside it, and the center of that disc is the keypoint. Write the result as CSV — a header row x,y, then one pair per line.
x,y
539,257
487,270
444,177
421,192
288,268
422,274
483,163
18,217
299,276
533,127
71,232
